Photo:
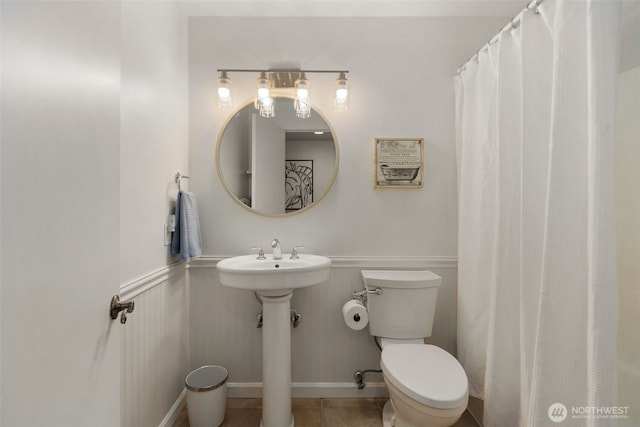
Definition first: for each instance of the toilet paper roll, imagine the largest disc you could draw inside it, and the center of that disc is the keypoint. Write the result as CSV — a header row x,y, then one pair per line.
x,y
355,315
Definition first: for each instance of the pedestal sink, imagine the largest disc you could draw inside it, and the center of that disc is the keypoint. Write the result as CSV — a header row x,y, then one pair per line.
x,y
275,281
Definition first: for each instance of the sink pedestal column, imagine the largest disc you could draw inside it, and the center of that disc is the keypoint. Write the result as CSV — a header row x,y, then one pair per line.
x,y
276,361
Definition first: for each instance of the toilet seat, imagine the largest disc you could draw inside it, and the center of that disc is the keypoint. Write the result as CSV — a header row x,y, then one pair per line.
x,y
427,374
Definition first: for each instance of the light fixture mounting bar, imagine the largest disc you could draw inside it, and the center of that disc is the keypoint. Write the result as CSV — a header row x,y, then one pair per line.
x,y
283,77
281,70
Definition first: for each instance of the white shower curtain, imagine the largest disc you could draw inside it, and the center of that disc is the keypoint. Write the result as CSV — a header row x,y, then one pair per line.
x,y
537,296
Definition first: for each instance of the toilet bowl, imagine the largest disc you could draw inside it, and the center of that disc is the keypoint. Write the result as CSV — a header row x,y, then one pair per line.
x,y
427,386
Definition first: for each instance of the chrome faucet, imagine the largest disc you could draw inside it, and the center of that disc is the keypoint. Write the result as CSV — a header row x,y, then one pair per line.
x,y
277,251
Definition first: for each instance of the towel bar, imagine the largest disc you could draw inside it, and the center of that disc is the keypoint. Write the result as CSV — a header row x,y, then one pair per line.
x,y
178,179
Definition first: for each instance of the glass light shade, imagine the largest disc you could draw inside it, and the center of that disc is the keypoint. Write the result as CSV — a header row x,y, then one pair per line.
x,y
263,92
302,93
224,91
264,84
266,108
303,109
264,102
301,102
302,88
341,101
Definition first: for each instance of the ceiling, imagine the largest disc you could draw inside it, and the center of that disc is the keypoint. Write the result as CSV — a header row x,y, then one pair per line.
x,y
354,8
507,9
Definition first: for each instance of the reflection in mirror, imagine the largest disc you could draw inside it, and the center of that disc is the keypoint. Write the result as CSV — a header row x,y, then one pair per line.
x,y
279,165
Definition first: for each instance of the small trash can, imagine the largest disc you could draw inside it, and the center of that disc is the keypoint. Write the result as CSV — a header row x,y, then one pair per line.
x,y
206,396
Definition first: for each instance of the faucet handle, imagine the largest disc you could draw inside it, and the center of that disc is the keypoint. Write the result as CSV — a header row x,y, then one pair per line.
x,y
294,252
260,252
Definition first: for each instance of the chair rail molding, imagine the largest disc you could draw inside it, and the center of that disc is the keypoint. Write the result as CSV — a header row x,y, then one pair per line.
x,y
142,284
360,262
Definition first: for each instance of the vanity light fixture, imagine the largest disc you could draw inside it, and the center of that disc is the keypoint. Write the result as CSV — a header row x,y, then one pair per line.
x,y
224,90
264,102
341,101
284,79
301,102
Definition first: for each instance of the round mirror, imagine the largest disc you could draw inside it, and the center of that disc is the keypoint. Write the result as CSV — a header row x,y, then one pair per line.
x,y
280,165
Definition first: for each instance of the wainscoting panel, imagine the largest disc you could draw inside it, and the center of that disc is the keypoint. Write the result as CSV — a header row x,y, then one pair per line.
x,y
325,352
155,352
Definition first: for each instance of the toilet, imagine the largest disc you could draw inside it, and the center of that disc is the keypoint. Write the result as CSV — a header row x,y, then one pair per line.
x,y
427,386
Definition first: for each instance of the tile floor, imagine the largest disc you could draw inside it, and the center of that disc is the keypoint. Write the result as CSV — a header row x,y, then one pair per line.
x,y
313,413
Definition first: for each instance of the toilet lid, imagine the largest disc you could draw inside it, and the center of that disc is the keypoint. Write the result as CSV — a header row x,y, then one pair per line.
x,y
427,374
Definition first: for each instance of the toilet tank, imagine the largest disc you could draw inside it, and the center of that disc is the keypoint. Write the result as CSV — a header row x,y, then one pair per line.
x,y
406,307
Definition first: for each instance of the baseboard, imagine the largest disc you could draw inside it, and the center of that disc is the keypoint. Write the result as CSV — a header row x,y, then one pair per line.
x,y
339,390
308,390
175,410
298,390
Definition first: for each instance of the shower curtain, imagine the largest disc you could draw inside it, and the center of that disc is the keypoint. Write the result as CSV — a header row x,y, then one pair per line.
x,y
537,296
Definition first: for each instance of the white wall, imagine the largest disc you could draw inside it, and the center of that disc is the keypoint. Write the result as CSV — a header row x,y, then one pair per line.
x,y
153,132
153,147
401,81
60,213
400,73
94,113
628,242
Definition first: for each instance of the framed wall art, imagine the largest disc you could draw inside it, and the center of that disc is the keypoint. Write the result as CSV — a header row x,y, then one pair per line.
x,y
398,162
298,184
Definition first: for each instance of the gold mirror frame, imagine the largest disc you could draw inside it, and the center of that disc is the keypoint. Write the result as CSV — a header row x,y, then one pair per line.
x,y
315,110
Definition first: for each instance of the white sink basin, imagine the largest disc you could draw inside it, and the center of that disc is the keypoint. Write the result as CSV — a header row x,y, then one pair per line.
x,y
273,277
